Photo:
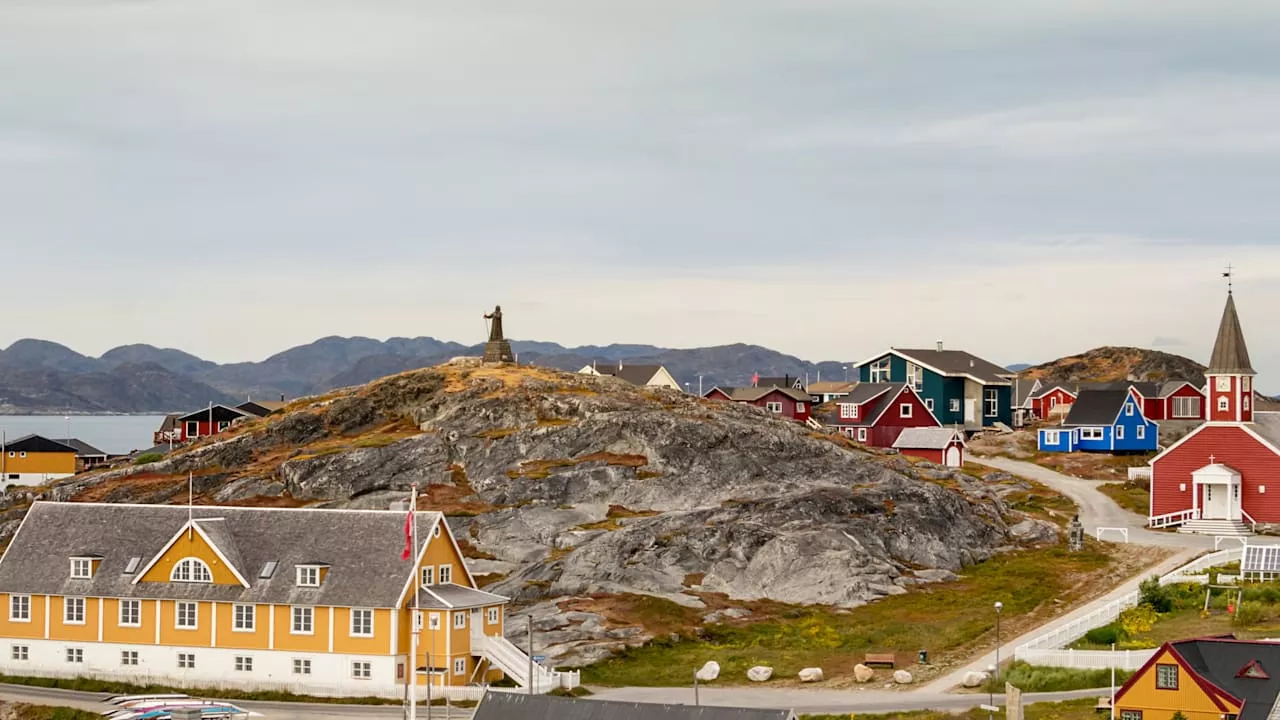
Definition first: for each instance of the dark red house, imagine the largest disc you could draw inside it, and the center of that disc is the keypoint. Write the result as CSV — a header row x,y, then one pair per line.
x,y
786,402
207,421
1175,400
1054,398
938,445
876,413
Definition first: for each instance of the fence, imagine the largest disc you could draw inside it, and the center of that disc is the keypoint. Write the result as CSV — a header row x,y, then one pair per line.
x,y
1139,473
1090,659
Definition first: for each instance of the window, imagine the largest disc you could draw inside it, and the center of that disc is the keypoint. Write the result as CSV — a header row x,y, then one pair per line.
x,y
459,620
434,621
81,568
1119,432
991,402
186,661
20,652
308,576
1142,432
1050,437
849,411
20,608
128,657
928,404
132,566
953,404
362,623
1090,433
75,655
428,575
73,610
223,425
446,574
880,370
1167,676
1128,409
1244,402
493,616
904,410
361,670
130,613
301,667
244,663
915,376
435,532
186,618
1244,384
774,407
460,666
1130,715
193,428
243,618
862,434
192,570
302,621
1223,404
799,407
1186,407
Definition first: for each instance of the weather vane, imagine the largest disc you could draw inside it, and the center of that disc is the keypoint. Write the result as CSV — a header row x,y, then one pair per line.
x,y
1227,275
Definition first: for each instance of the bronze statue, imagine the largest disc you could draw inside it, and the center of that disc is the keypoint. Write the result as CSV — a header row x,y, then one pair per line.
x,y
495,327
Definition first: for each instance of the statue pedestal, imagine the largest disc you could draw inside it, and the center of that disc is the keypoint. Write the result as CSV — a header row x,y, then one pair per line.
x,y
498,351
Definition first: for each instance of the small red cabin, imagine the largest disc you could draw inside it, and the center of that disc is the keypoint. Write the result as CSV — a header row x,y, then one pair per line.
x,y
785,402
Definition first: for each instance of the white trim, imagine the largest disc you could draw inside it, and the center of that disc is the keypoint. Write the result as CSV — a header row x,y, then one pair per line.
x,y
15,596
351,624
193,524
177,615
330,628
899,353
271,627
157,622
120,603
293,620
84,609
101,607
253,618
442,601
298,571
213,625
1216,423
196,564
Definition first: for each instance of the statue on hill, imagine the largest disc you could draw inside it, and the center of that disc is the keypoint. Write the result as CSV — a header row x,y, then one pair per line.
x,y
497,349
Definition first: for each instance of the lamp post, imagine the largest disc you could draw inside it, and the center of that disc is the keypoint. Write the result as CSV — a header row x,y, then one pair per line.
x,y
846,373
999,607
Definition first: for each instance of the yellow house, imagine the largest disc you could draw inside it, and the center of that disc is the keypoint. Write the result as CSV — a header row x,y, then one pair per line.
x,y
33,460
1217,678
308,600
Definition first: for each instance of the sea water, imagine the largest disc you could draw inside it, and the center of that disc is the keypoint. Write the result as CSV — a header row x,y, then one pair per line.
x,y
114,434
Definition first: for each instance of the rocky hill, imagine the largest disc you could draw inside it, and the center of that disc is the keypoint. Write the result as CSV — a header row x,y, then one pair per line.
x,y
1111,364
563,486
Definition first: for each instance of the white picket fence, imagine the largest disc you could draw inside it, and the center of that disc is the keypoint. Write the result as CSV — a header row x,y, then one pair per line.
x,y
1047,649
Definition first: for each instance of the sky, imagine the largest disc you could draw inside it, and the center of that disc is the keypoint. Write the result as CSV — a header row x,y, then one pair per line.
x,y
1023,179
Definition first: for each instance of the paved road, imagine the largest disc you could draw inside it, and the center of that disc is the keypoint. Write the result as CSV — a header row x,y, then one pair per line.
x,y
806,701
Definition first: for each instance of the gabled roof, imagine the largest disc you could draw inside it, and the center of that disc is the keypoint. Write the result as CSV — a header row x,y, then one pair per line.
x,y
1265,428
752,394
221,413
1174,386
1024,390
499,705
1221,662
784,381
82,448
862,392
928,438
1064,387
634,374
827,387
38,444
1094,408
1230,355
362,548
954,363
448,596
874,399
261,408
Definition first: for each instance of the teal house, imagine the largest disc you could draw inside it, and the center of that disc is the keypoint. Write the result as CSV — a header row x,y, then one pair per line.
x,y
959,388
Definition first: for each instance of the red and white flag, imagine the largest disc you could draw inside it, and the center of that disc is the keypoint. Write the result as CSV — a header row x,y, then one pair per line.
x,y
408,535
755,379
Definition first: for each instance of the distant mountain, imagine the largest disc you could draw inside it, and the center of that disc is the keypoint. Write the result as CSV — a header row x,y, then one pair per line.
x,y
129,388
1018,367
28,354
175,361
1110,364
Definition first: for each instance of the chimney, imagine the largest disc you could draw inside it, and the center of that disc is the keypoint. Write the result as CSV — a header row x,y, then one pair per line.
x,y
619,364
970,362
939,346
281,397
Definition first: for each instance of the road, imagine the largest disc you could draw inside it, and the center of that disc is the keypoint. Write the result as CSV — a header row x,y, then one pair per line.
x,y
807,701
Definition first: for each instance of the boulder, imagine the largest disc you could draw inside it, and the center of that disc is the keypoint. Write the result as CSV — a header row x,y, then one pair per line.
x,y
759,673
811,675
708,672
862,673
974,679
1034,531
902,677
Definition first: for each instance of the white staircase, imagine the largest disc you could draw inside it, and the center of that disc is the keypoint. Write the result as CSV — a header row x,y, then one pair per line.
x,y
1232,528
513,661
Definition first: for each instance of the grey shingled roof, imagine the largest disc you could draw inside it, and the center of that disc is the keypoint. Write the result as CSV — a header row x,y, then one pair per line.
x,y
634,374
362,548
751,394
498,705
444,597
1096,408
1172,386
1221,661
826,387
873,397
1267,424
959,362
1230,355
1023,389
83,449
925,438
863,392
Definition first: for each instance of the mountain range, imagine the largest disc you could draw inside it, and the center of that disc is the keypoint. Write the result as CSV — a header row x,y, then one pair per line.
x,y
38,376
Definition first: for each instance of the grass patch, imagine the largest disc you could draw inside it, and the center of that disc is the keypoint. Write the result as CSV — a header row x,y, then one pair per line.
x,y
1257,617
1038,678
616,513
148,458
948,619
1133,498
1083,709
22,711
541,469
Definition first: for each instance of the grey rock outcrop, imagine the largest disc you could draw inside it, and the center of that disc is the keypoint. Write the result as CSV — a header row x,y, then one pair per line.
x,y
759,673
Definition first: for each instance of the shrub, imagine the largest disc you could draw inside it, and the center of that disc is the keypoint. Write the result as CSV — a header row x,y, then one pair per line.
x,y
1105,635
1137,620
1156,595
1250,613
147,458
1035,678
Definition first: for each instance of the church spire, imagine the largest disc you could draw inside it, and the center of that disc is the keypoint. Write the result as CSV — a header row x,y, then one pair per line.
x,y
1230,355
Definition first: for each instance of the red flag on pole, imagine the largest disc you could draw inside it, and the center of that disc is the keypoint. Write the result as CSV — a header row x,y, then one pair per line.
x,y
408,536
755,379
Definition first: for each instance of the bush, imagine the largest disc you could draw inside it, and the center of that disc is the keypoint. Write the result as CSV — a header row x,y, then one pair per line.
x,y
1137,620
1156,595
1251,613
147,458
1035,678
1105,635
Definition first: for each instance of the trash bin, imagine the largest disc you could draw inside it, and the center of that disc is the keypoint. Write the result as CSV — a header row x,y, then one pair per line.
x,y
924,657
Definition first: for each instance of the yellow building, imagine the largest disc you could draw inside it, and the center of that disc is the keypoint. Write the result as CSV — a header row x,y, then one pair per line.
x,y
1204,679
313,601
34,460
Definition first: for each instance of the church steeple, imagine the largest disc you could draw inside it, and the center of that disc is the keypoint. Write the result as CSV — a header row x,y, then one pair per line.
x,y
1230,373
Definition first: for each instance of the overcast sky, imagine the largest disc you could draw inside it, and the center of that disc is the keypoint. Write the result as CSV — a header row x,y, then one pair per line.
x,y
1021,179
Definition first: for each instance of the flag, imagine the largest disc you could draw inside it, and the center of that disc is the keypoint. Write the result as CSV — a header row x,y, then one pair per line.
x,y
755,379
408,536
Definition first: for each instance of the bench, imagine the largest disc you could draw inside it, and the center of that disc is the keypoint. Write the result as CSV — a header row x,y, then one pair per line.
x,y
879,659
1104,704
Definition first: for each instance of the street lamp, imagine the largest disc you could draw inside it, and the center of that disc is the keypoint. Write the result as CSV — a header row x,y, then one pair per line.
x,y
999,607
846,373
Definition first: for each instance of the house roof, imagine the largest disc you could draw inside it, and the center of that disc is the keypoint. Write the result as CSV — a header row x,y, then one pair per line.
x,y
221,413
874,398
826,387
1267,425
1064,387
927,438
752,394
862,392
1221,661
1096,407
498,705
1230,355
784,381
83,449
361,547
1024,389
1263,404
634,374
261,408
445,597
1174,386
39,444
170,422
958,363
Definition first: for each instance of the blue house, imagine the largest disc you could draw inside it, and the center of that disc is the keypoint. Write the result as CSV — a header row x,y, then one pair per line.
x,y
959,388
1109,421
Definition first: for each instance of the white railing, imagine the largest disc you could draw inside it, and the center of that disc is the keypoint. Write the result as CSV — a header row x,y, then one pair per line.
x,y
1092,659
1174,518
515,663
1139,473
1253,524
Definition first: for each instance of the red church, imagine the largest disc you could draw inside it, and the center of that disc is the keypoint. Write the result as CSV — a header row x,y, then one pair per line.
x,y
1215,480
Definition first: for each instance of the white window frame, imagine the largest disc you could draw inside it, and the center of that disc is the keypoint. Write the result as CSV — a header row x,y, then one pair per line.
x,y
186,661
362,670
19,608
1128,409
304,618
223,425
130,613
81,569
849,411
180,609
1186,407
862,434
460,666
433,621
774,407
991,402
301,666
357,628
428,575
1051,437
129,657
193,428
904,410
1223,404
881,370
445,573
1119,430
1244,384
915,376
191,570
19,653
953,405
493,616
1091,433
1141,432
928,404
244,617
799,406
75,655
459,619
243,663
307,576
68,605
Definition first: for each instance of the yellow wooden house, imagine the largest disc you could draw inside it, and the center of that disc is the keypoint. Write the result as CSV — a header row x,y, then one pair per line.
x,y
1218,678
34,460
312,601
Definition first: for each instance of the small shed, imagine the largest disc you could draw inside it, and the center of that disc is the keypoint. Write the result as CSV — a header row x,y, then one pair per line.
x,y
938,445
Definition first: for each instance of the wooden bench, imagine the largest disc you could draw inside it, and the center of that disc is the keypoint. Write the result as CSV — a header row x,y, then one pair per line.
x,y
879,659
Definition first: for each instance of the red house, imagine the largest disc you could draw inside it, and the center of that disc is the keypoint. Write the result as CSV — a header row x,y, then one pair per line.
x,y
1174,400
1224,476
787,402
1052,398
207,421
876,413
938,445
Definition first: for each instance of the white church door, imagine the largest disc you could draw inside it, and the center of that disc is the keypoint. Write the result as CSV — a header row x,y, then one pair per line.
x,y
1216,502
953,456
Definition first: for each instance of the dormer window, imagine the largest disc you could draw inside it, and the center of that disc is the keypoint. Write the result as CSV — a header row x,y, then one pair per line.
x,y
308,576
849,411
191,570
81,568
1253,670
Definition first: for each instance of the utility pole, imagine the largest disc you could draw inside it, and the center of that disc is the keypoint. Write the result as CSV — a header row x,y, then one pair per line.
x,y
1113,681
530,653
695,688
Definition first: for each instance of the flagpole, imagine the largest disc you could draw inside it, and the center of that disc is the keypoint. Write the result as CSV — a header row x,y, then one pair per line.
x,y
190,499
413,615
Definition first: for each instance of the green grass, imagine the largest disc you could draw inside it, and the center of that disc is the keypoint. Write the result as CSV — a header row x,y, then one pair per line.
x,y
1133,498
148,458
1036,678
1188,619
1083,709
941,618
44,712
